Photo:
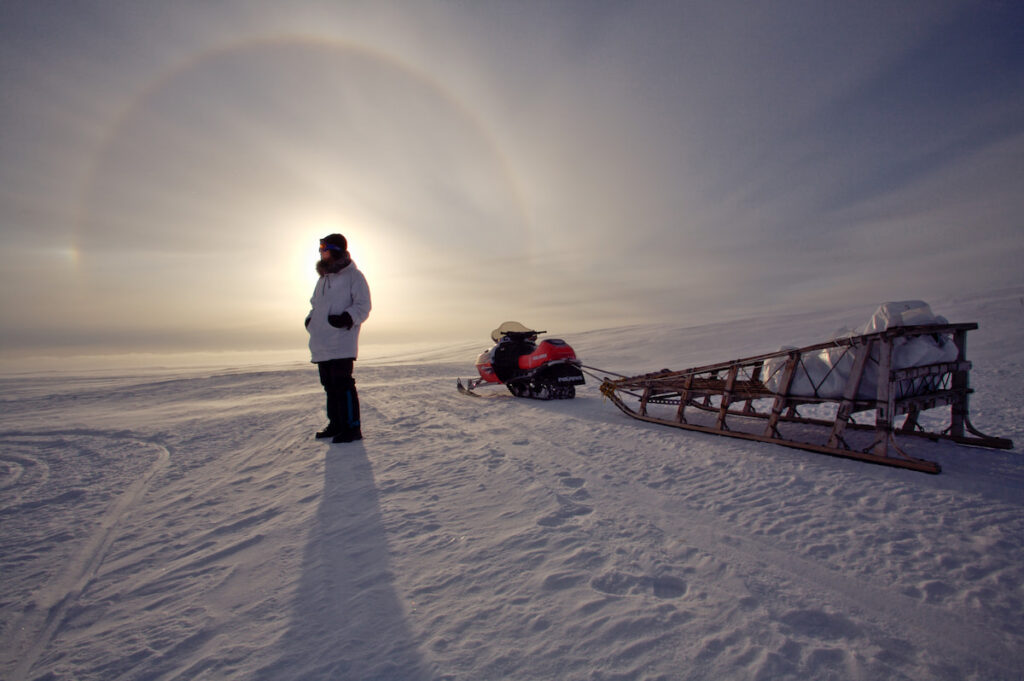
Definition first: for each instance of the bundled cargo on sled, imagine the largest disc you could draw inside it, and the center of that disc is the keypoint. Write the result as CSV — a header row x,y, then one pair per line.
x,y
821,397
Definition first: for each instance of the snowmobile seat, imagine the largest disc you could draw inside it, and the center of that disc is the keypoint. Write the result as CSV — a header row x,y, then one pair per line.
x,y
505,355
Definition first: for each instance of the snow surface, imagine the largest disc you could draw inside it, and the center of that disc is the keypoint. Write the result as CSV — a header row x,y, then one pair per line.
x,y
185,525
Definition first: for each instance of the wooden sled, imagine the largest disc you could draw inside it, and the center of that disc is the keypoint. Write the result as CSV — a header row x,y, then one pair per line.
x,y
758,398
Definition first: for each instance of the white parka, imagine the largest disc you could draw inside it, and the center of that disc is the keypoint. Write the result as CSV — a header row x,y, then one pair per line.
x,y
335,293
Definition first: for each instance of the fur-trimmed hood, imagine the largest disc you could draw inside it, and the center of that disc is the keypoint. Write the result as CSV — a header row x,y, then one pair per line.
x,y
333,266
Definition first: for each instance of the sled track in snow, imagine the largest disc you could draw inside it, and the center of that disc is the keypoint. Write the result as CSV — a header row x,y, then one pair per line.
x,y
26,639
744,553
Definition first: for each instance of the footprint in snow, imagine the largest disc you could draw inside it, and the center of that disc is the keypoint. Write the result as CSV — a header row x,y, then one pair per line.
x,y
617,583
567,510
821,625
577,484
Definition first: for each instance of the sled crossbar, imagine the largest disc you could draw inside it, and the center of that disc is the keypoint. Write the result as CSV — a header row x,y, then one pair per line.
x,y
758,398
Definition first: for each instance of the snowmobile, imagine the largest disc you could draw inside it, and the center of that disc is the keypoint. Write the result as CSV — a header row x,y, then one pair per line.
x,y
547,370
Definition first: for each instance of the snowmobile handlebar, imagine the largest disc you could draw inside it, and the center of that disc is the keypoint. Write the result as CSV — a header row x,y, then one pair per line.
x,y
516,335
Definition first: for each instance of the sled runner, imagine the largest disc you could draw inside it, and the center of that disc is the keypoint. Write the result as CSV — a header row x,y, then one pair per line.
x,y
819,397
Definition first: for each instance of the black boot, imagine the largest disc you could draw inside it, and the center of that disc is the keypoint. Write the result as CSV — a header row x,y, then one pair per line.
x,y
330,431
350,435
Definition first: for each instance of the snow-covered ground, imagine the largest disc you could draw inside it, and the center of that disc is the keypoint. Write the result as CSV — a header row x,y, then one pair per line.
x,y
185,525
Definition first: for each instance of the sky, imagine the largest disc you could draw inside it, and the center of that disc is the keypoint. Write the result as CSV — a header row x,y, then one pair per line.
x,y
167,168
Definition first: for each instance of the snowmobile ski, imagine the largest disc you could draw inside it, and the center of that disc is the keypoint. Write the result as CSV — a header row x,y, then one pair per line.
x,y
468,389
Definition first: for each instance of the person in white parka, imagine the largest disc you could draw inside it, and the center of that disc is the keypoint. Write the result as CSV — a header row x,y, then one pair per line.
x,y
340,305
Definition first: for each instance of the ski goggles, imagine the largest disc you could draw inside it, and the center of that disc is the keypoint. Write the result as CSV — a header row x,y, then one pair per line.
x,y
330,247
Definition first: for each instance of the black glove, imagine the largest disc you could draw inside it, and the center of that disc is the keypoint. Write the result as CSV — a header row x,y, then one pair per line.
x,y
340,321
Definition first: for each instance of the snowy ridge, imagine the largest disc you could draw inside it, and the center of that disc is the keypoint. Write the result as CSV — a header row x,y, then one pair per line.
x,y
187,526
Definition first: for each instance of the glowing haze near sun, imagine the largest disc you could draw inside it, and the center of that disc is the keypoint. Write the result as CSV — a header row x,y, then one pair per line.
x,y
167,170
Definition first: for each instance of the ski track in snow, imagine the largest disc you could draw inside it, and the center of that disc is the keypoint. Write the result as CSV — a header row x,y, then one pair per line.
x,y
187,526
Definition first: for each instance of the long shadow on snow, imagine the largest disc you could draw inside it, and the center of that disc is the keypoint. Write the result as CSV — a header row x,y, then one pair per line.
x,y
348,621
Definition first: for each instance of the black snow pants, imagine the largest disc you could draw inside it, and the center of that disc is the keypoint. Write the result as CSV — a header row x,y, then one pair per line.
x,y
342,399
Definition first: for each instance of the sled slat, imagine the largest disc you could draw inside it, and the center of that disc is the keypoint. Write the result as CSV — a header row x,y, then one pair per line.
x,y
726,397
785,383
849,394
